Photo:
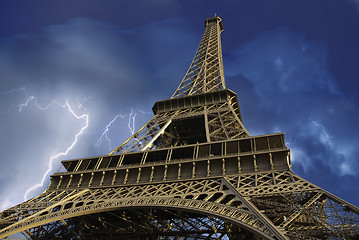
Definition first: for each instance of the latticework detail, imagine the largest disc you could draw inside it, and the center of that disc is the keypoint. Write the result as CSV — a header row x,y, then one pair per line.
x,y
206,71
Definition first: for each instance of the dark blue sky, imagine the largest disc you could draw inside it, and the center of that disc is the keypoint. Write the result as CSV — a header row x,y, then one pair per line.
x,y
293,64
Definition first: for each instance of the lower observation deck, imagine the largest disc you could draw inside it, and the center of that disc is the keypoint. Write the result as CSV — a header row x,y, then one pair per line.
x,y
253,154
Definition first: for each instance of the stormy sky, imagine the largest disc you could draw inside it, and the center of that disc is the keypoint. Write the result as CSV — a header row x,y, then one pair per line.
x,y
78,77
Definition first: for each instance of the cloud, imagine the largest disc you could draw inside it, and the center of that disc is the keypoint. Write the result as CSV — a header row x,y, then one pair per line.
x,y
292,89
356,2
281,77
105,69
285,61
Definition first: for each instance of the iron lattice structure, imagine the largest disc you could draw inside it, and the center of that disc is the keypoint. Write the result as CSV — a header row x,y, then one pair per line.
x,y
191,172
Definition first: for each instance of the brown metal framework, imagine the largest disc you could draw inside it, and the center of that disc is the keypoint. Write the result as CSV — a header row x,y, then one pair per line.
x,y
192,172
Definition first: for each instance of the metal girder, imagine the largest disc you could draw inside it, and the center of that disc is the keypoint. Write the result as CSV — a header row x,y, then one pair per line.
x,y
208,197
215,197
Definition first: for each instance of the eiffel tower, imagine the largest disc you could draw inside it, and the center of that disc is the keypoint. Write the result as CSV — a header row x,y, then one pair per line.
x,y
191,172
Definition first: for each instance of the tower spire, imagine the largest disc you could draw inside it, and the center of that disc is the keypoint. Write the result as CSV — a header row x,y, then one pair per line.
x,y
205,73
200,110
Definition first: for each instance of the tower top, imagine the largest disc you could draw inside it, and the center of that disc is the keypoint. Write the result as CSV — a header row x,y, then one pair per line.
x,y
215,19
205,73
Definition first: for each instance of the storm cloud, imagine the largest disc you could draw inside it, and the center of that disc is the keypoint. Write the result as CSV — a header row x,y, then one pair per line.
x,y
293,65
101,70
289,87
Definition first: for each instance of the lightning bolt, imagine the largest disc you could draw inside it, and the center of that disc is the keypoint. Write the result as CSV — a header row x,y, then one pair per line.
x,y
105,132
133,117
30,99
323,129
85,117
131,126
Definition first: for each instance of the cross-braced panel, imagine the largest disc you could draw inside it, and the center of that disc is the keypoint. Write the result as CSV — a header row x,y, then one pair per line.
x,y
310,215
302,209
224,124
